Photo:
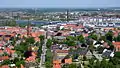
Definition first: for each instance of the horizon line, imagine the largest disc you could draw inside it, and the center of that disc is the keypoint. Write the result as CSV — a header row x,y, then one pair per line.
x,y
62,7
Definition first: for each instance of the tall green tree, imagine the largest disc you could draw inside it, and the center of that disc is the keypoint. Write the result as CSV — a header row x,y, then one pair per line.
x,y
22,47
109,36
48,64
41,37
70,43
48,59
30,40
18,62
93,36
97,64
81,38
5,62
103,63
49,43
71,38
73,65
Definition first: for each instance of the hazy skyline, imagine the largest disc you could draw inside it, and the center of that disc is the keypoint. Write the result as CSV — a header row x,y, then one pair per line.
x,y
59,3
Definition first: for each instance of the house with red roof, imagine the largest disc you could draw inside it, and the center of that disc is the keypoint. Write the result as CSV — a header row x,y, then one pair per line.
x,y
68,61
56,64
4,58
4,66
72,26
31,58
61,53
117,46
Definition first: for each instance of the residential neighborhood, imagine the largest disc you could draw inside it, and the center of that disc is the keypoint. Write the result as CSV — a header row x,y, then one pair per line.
x,y
63,46
78,38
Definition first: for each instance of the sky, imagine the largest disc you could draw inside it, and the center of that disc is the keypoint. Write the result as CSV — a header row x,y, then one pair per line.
x,y
59,3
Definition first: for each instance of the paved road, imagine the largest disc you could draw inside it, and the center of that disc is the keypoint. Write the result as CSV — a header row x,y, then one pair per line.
x,y
42,61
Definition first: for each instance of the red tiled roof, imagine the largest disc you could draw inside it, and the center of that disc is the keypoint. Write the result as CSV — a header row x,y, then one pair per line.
x,y
2,33
9,51
109,28
62,51
31,59
56,64
33,34
116,44
37,39
73,26
69,61
12,51
4,66
34,54
4,58
56,61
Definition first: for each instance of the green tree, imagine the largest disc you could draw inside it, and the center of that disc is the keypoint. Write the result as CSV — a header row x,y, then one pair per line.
x,y
81,38
93,36
39,51
91,61
109,36
97,64
48,59
114,60
117,54
65,66
6,62
18,62
71,38
48,64
70,43
110,65
37,44
70,66
22,47
41,37
103,38
75,56
73,65
103,63
30,40
118,38
5,54
49,43
12,23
